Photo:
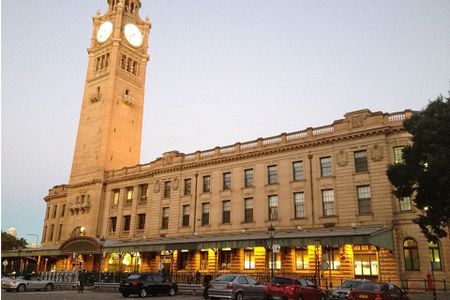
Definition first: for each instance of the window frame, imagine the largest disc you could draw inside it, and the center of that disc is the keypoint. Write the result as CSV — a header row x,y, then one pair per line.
x,y
226,212
273,209
360,160
364,204
167,189
187,186
126,223
299,205
226,181
141,221
298,171
206,183
411,255
247,210
165,218
185,217
272,174
326,166
205,213
248,178
328,207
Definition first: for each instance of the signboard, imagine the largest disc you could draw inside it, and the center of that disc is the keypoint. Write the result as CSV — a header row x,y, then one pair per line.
x,y
276,248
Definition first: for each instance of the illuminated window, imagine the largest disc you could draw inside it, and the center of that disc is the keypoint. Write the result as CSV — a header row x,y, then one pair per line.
x,y
277,260
435,257
204,260
301,259
411,255
405,204
330,257
297,170
249,259
115,199
225,259
129,198
398,154
366,264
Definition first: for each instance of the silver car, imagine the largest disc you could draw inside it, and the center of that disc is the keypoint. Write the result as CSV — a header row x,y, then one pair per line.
x,y
27,282
342,291
236,287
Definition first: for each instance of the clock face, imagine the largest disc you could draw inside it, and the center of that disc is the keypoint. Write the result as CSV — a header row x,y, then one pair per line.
x,y
104,31
133,35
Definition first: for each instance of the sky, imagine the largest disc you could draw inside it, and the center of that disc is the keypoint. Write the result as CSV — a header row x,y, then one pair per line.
x,y
220,72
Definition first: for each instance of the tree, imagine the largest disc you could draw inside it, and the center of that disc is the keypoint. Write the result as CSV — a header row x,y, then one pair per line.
x,y
10,242
424,174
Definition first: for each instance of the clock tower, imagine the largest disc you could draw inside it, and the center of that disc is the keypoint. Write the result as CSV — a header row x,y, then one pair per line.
x,y
110,126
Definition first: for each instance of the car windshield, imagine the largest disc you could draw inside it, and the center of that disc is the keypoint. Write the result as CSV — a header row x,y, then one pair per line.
x,y
372,286
227,278
134,276
350,284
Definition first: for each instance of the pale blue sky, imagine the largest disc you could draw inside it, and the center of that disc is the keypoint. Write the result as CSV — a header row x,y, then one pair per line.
x,y
220,72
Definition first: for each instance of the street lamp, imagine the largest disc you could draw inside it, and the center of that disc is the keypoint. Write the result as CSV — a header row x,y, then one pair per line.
x,y
271,231
102,242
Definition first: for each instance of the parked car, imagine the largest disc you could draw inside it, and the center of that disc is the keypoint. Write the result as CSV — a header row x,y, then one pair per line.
x,y
293,288
342,291
147,284
237,287
27,282
377,291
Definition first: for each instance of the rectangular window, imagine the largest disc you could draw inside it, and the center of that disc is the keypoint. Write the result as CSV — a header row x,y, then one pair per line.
x,y
366,265
248,178
44,234
299,204
55,209
277,258
187,186
167,185
206,184
59,232
63,210
129,198
112,224
360,161
248,203
225,259
272,174
115,200
183,256
204,260
273,207
47,212
143,188
249,259
398,154
126,223
301,259
325,166
297,170
165,218
205,214
227,181
405,204
331,259
226,211
141,221
52,228
328,202
364,199
185,222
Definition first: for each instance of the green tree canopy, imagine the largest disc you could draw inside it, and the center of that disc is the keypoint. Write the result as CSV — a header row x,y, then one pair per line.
x,y
10,242
424,173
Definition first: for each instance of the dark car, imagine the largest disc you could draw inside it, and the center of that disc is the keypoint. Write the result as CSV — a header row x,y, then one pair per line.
x,y
236,286
293,288
342,291
377,291
147,284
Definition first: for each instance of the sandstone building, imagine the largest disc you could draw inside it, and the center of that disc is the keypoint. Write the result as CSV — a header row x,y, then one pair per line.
x,y
323,192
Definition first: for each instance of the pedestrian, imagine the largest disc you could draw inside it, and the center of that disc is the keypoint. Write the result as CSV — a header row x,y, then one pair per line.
x,y
197,277
82,280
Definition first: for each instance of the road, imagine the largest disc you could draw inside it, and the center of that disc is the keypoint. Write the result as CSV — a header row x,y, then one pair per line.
x,y
91,295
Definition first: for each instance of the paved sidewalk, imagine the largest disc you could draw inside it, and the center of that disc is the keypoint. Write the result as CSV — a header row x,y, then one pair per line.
x,y
428,296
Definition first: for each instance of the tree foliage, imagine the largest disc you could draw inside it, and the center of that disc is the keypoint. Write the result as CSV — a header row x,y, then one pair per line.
x,y
10,242
424,174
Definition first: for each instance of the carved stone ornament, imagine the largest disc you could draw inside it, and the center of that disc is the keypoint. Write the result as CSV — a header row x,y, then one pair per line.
x,y
376,153
342,158
157,186
176,183
357,122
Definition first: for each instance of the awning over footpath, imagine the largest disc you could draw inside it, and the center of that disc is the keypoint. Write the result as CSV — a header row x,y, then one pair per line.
x,y
377,236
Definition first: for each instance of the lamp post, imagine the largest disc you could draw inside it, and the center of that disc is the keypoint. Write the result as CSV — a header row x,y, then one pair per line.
x,y
20,260
271,231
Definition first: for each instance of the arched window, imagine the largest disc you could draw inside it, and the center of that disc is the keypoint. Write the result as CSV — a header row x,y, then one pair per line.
x,y
435,257
411,255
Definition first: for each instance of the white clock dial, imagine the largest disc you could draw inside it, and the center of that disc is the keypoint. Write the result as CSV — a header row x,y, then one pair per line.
x,y
133,35
104,31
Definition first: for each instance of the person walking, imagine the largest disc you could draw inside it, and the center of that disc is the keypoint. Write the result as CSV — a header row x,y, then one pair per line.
x,y
82,280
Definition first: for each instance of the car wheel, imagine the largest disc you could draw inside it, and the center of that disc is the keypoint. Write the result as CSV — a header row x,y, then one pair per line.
x,y
239,296
125,294
172,292
21,288
49,287
143,293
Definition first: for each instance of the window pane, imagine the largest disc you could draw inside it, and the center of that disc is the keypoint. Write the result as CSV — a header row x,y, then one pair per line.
x,y
297,169
273,207
361,161
364,199
325,166
248,174
187,186
328,202
248,203
405,204
226,181
206,184
398,154
272,174
299,204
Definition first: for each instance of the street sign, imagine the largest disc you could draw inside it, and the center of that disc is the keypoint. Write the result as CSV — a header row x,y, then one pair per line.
x,y
276,248
160,266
